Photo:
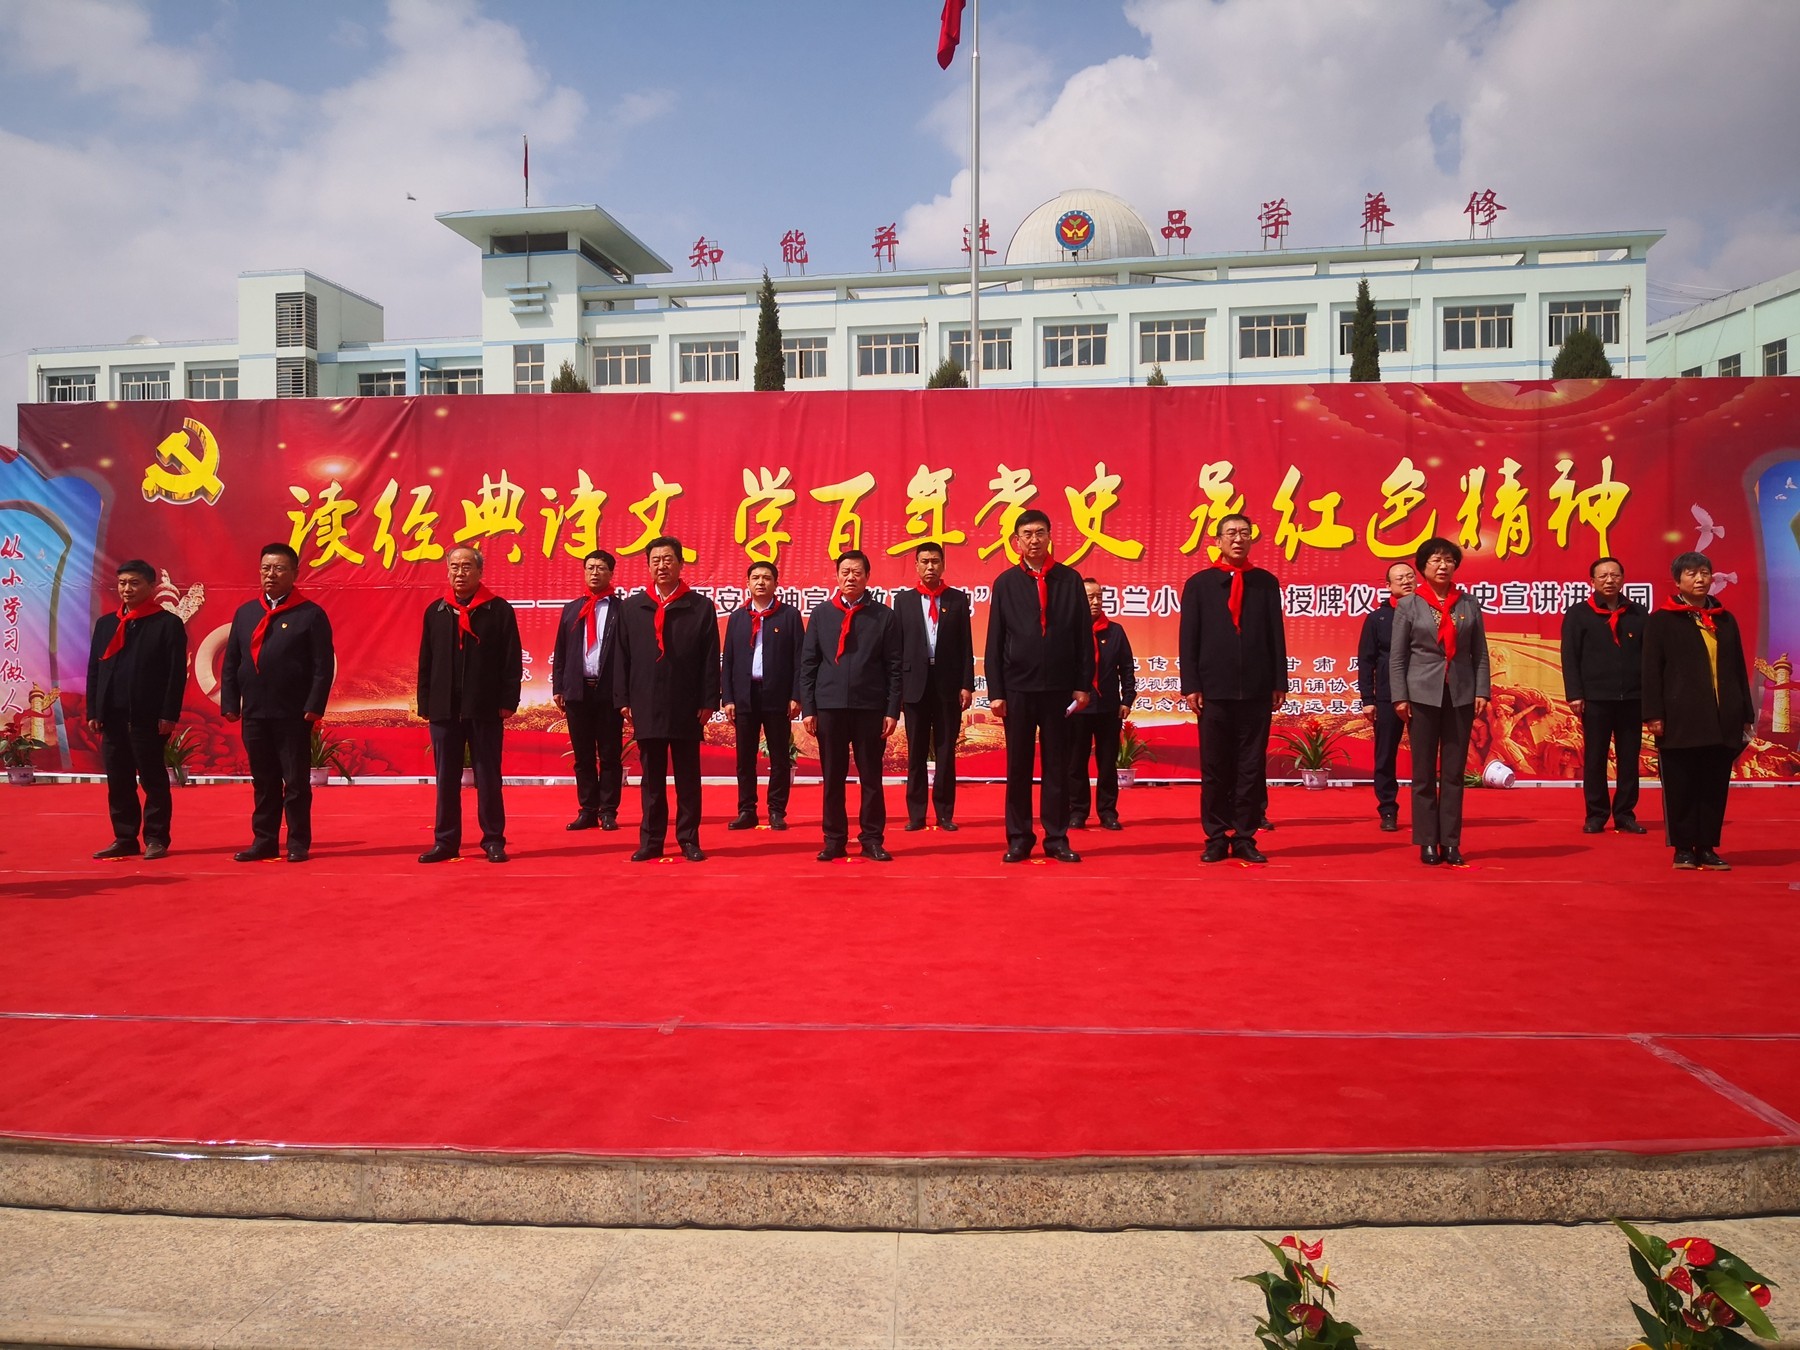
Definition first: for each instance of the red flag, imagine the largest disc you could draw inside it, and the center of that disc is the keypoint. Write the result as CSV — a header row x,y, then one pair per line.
x,y
949,32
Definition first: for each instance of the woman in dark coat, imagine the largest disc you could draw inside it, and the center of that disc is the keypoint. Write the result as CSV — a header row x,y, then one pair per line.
x,y
1697,705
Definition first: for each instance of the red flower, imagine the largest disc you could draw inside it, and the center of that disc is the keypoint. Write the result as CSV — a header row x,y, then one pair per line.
x,y
1309,1315
1716,1308
1699,1251
1693,1321
1312,1251
1680,1279
1760,1292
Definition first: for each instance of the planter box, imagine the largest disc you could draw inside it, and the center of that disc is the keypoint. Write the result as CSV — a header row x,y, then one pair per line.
x,y
21,775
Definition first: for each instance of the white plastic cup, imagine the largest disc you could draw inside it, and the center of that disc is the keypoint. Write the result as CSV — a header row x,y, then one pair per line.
x,y
1498,775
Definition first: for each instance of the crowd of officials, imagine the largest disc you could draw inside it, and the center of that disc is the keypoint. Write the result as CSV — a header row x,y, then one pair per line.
x,y
1060,680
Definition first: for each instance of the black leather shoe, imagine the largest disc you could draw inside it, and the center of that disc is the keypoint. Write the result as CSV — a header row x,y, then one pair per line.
x,y
609,822
1684,860
1216,850
1428,854
1062,853
830,854
254,854
1015,855
1593,826
876,853
1077,822
154,851
1265,824
1629,826
583,822
745,820
495,852
646,855
777,822
949,825
1245,850
1452,856
437,853
1390,824
914,826
693,853
119,848
1110,823
299,854
1708,860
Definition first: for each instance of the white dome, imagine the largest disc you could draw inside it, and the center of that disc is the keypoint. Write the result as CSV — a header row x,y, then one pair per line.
x,y
1119,232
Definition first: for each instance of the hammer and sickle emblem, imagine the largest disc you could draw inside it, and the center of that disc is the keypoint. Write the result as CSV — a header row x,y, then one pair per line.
x,y
178,474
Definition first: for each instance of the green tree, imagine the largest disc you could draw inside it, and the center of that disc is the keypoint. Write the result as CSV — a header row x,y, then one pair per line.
x,y
1582,356
1156,378
1365,348
567,381
771,365
948,376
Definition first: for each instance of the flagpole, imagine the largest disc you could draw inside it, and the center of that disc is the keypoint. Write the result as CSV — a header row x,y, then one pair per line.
x,y
975,197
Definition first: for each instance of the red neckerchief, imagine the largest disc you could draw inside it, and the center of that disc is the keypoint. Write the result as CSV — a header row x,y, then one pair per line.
x,y
1101,624
1235,601
1391,603
1446,621
590,614
481,597
849,613
1612,616
288,601
931,597
116,643
1704,615
661,604
1043,589
756,620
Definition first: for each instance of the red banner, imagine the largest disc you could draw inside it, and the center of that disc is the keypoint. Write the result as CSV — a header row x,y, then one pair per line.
x,y
1534,480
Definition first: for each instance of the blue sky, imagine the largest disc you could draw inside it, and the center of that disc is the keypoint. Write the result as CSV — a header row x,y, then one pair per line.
x,y
152,149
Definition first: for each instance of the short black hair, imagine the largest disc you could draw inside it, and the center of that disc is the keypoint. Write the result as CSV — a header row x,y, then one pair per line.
x,y
773,571
1092,581
1235,515
1689,562
1398,562
137,567
1594,566
480,561
1435,545
1032,517
665,541
281,550
929,546
855,555
604,557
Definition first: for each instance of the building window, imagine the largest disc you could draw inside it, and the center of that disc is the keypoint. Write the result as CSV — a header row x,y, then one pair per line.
x,y
68,388
626,364
1075,344
1690,373
804,357
528,368
1161,341
709,362
996,348
297,320
380,383
220,382
464,380
1597,316
1730,367
1775,357
887,353
296,377
1390,330
1262,335
1470,328
135,385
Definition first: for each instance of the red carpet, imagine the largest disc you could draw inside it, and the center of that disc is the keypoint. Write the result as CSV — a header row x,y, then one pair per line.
x,y
1565,991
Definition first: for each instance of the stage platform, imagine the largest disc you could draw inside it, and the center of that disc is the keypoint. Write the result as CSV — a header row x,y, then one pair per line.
x,y
1568,1028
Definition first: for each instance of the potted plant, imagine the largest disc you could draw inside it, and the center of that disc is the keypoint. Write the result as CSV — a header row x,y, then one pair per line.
x,y
1133,751
177,751
16,750
327,754
1313,746
1295,1294
1698,1293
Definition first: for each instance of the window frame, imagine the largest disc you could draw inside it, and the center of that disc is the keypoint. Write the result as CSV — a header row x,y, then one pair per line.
x,y
60,386
1775,354
303,366
1156,334
526,358
806,358
381,384
891,345
708,361
301,330
132,382
996,347
451,380
1254,328
627,358
1736,361
1386,321
1485,320
1074,341
199,377
1610,312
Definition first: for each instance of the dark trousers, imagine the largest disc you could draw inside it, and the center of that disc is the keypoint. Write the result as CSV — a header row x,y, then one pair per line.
x,y
769,717
1695,782
597,736
1388,727
1096,734
1037,727
844,732
1440,757
654,756
1616,724
932,726
134,755
280,754
481,736
1234,766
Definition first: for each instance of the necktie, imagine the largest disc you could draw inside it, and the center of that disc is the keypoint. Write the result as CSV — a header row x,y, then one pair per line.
x,y
288,601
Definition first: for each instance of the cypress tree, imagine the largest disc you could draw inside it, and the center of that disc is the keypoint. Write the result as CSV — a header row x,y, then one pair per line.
x,y
567,381
948,375
1582,356
771,365
1365,349
1156,379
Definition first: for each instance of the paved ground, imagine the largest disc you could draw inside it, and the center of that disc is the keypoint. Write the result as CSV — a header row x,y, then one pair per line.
x,y
95,1279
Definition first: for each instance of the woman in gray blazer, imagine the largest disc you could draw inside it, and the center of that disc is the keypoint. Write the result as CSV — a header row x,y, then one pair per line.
x,y
1438,672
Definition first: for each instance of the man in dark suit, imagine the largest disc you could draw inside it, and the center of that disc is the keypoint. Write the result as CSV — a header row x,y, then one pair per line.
x,y
1234,677
759,685
850,695
1376,693
1096,727
279,665
937,648
1040,669
667,684
1603,679
470,670
581,681
137,665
